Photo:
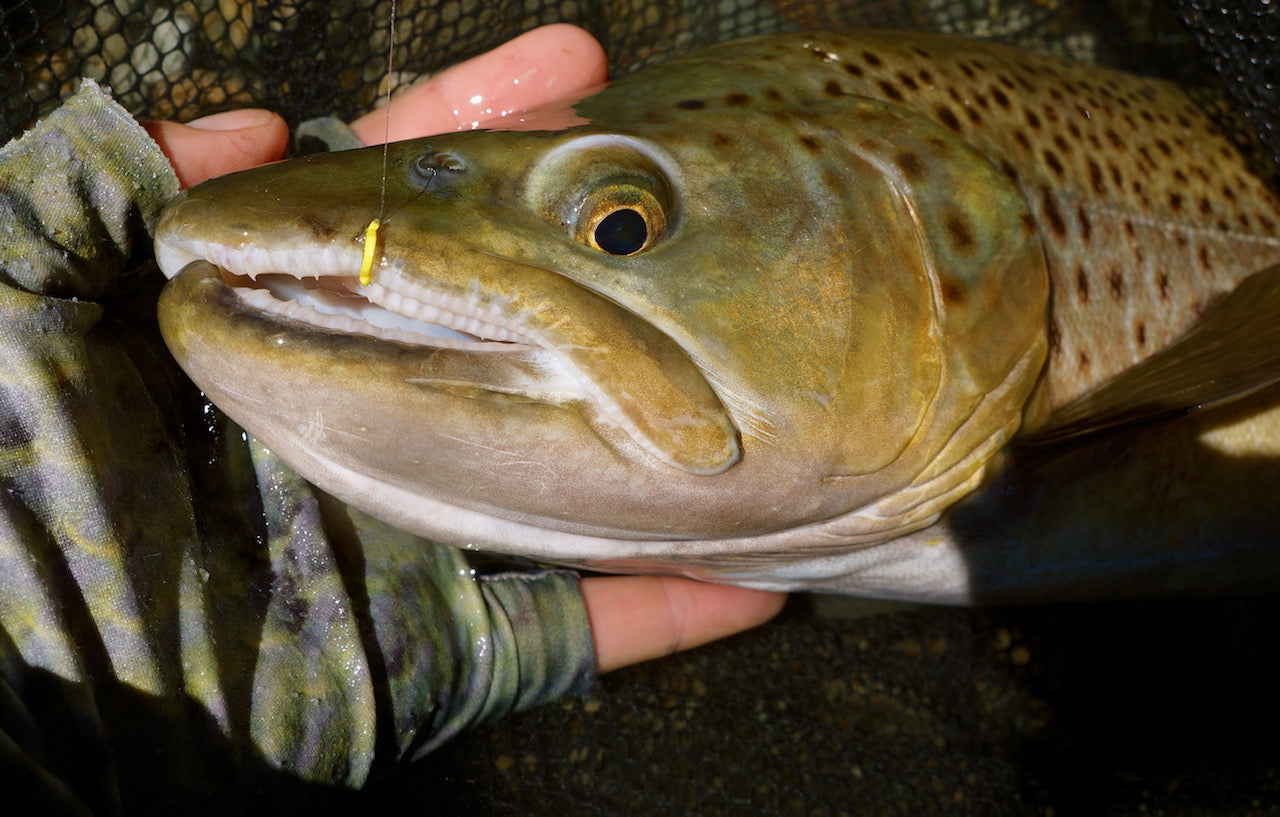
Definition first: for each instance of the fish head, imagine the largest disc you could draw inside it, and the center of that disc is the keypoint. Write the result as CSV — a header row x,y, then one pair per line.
x,y
651,340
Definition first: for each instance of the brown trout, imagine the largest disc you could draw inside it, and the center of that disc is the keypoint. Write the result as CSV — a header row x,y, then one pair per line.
x,y
763,316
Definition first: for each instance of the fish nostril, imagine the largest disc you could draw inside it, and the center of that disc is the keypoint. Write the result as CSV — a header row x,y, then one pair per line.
x,y
429,167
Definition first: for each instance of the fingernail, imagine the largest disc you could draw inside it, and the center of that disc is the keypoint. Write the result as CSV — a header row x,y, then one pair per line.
x,y
232,120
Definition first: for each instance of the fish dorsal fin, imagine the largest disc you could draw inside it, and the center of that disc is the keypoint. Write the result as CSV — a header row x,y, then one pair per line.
x,y
1232,352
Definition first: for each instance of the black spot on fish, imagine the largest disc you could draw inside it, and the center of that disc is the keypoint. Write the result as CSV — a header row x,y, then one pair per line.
x,y
966,70
974,116
1055,164
959,231
1114,139
1229,193
1050,207
833,88
952,292
1175,202
1000,97
910,165
947,117
1206,207
1098,183
1115,282
1162,281
737,99
1268,226
1164,147
871,59
1140,333
1203,258
318,225
920,52
721,139
890,90
853,70
810,143
926,78
692,104
1033,120
1055,337
1082,284
1083,362
908,81
1020,137
1086,226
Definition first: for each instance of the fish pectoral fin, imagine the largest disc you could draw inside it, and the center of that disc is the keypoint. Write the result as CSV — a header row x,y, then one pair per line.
x,y
1232,352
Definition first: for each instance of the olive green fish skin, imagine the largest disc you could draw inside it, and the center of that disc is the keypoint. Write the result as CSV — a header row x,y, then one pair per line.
x,y
1144,207
854,239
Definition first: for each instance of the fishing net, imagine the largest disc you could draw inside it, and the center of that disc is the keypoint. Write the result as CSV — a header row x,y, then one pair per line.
x,y
902,713
303,59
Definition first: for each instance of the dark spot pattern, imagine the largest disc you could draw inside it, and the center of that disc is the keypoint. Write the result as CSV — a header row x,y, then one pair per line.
x,y
692,104
319,226
890,90
910,164
1052,215
1115,283
959,231
947,117
952,292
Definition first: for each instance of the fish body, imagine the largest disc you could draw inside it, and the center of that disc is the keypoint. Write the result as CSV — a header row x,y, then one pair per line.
x,y
764,308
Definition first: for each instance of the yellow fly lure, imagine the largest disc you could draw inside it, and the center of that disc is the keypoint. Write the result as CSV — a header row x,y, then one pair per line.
x,y
371,232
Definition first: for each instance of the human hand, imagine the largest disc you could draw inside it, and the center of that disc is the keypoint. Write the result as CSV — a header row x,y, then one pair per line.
x,y
633,618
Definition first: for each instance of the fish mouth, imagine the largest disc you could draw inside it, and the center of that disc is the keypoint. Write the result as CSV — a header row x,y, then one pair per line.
x,y
627,378
322,288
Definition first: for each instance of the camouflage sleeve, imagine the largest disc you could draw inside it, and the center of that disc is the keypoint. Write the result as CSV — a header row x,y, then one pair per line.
x,y
184,622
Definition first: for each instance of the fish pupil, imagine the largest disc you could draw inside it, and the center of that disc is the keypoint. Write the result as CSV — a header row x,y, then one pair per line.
x,y
622,232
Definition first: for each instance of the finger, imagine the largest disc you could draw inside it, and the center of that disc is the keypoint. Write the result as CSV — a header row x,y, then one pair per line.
x,y
541,66
635,618
221,143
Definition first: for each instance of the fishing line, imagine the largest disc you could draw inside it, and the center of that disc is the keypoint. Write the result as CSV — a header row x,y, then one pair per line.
x,y
371,232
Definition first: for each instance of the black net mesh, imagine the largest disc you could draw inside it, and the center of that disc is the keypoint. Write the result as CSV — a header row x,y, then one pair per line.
x,y
186,59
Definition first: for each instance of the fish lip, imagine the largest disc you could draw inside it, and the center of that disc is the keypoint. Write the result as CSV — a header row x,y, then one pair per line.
x,y
309,286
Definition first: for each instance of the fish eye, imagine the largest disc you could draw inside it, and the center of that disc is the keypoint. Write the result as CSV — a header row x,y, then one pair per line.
x,y
620,220
621,232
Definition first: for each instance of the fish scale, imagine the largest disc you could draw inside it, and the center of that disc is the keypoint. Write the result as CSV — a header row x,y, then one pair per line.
x,y
1145,208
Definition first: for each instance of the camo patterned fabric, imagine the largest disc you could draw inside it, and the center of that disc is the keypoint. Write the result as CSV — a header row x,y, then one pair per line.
x,y
184,623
